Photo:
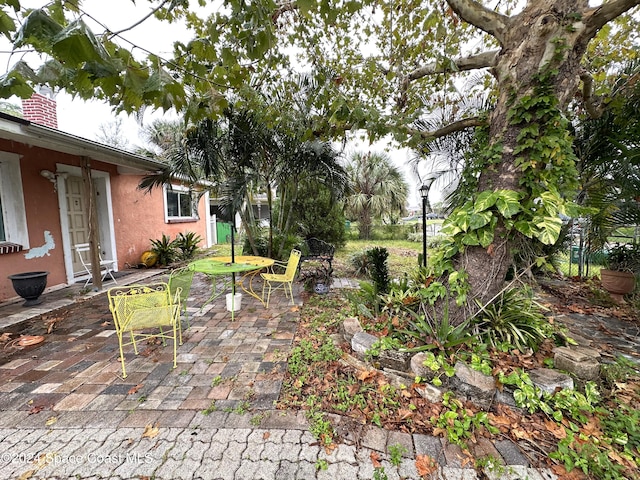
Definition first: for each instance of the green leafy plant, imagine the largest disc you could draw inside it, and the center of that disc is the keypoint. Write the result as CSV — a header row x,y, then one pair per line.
x,y
624,258
513,318
379,271
187,244
395,454
435,332
458,423
165,249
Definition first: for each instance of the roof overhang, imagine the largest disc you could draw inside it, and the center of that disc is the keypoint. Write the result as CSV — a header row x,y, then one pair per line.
x,y
23,131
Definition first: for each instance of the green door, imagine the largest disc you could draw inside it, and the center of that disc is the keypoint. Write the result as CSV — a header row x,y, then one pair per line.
x,y
223,231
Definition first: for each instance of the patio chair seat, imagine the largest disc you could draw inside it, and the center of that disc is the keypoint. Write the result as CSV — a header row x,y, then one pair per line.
x,y
273,281
106,265
145,311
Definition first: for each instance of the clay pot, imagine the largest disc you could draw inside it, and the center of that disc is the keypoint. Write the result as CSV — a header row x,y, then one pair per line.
x,y
617,283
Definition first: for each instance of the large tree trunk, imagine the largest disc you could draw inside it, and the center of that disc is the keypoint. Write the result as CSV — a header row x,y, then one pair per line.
x,y
530,45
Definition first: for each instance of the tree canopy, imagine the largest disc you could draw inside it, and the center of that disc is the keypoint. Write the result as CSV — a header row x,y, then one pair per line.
x,y
381,67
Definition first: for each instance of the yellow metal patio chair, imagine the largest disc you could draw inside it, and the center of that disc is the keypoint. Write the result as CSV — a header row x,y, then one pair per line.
x,y
180,281
273,281
145,311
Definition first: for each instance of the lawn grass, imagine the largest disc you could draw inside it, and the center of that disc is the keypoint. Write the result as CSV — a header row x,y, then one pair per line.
x,y
403,256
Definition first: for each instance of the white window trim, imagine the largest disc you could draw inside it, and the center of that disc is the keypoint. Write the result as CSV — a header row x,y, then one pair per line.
x,y
194,205
13,209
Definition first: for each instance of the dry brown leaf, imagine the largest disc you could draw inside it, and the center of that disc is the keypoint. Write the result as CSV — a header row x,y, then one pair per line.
x,y
133,390
5,337
151,431
105,324
72,339
266,435
556,430
28,474
425,465
36,409
375,459
366,375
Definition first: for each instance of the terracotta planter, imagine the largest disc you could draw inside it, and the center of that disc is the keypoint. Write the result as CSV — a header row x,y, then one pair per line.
x,y
617,283
29,285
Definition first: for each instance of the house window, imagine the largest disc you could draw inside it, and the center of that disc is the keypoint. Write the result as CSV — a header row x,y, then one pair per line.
x,y
13,218
180,204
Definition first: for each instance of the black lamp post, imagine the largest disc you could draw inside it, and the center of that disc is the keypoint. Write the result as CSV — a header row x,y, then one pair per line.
x,y
424,193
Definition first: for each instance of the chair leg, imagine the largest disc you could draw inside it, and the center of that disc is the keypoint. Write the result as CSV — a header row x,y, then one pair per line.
x,y
124,371
133,341
175,346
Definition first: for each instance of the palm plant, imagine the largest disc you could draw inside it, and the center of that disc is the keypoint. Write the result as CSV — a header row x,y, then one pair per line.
x,y
377,190
608,149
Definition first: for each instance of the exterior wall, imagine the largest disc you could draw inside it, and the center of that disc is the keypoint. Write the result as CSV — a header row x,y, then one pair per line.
x,y
46,251
139,218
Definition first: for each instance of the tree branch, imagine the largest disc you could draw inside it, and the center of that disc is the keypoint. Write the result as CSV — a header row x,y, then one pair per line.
x,y
479,16
448,129
482,60
596,18
152,12
283,8
592,104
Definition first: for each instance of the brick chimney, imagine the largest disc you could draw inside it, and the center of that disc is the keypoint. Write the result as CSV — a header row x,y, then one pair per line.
x,y
41,108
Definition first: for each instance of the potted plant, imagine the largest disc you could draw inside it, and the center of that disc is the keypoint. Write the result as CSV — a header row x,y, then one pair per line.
x,y
623,263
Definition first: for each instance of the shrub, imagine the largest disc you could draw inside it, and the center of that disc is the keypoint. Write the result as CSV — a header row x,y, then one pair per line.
x,y
165,249
514,318
187,244
379,269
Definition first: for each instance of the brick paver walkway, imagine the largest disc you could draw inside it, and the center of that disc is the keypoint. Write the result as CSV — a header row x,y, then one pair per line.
x,y
67,413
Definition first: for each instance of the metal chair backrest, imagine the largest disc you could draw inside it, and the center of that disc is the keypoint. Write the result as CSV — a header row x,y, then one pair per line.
x,y
124,302
292,265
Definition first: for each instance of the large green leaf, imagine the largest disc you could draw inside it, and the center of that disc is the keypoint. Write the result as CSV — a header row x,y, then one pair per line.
x,y
485,237
16,81
76,45
549,230
485,201
38,29
508,203
479,220
525,227
7,24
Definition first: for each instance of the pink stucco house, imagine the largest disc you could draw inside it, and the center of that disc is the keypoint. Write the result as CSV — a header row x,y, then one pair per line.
x,y
45,179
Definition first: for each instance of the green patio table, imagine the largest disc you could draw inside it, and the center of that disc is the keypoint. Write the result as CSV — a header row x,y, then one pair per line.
x,y
248,265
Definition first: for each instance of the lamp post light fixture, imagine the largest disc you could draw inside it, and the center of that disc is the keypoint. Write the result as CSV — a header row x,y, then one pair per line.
x,y
424,193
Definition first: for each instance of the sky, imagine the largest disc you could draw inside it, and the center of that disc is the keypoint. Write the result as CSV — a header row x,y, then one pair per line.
x,y
84,119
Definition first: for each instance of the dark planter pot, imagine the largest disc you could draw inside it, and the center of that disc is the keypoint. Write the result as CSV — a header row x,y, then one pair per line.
x,y
29,285
617,283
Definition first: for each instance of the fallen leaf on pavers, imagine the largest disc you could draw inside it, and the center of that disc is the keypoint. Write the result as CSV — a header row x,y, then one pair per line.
x,y
105,324
50,421
294,309
72,339
133,390
425,465
5,337
375,459
36,409
151,431
266,435
28,474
